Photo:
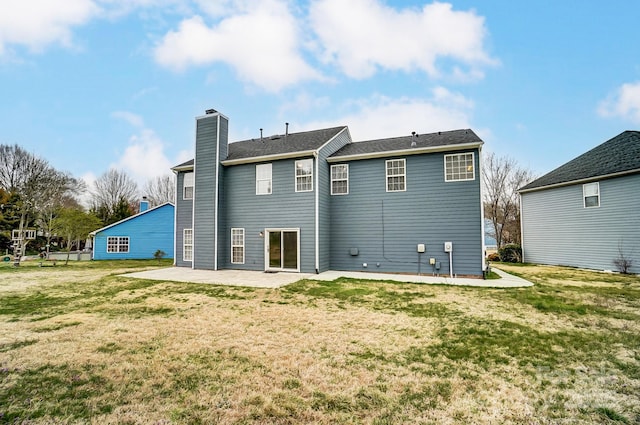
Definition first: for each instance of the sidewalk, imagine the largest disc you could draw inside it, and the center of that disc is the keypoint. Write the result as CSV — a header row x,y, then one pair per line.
x,y
276,280
507,280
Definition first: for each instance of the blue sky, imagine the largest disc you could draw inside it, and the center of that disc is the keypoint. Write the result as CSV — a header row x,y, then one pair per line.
x,y
96,84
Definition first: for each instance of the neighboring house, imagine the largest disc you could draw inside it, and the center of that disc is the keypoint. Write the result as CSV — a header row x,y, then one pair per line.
x,y
586,213
314,201
138,236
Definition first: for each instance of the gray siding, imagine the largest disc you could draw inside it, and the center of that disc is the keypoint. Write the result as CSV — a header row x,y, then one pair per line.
x,y
206,182
386,226
184,216
284,208
324,198
558,230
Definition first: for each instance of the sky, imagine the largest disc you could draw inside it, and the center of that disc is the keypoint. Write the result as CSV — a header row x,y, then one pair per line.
x,y
93,84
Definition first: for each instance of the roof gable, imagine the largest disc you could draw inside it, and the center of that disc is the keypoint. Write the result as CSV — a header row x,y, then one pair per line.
x,y
620,154
282,144
95,232
441,139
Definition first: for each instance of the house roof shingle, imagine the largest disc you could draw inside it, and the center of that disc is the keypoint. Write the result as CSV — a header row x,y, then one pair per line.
x,y
423,141
617,155
281,144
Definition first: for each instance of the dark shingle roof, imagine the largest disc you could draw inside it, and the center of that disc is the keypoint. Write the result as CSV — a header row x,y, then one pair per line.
x,y
293,142
431,140
185,164
617,155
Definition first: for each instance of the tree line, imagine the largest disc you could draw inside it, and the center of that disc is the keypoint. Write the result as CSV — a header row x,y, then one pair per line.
x,y
38,200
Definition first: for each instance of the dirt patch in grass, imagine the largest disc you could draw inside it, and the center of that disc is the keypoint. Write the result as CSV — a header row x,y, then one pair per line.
x,y
107,349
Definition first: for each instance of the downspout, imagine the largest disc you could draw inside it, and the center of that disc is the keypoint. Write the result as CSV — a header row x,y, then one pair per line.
x,y
481,178
175,222
215,216
521,228
317,213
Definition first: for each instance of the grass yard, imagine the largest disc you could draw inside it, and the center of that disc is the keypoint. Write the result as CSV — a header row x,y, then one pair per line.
x,y
81,344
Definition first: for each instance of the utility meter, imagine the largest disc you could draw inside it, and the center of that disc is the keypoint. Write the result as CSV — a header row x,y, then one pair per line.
x,y
448,247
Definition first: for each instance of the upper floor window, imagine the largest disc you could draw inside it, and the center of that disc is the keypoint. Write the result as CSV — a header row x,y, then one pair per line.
x,y
340,179
304,175
396,175
118,244
263,179
459,167
187,186
591,194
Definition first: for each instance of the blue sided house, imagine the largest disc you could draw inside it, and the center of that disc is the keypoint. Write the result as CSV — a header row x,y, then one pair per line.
x,y
315,201
138,236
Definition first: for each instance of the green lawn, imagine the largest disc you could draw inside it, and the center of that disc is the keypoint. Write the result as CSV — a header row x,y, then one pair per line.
x,y
82,344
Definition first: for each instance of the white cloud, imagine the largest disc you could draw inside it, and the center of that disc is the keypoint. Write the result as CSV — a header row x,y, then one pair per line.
x,y
624,103
260,42
36,24
361,36
133,119
379,117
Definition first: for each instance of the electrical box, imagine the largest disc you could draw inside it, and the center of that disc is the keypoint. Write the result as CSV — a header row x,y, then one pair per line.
x,y
432,261
421,248
448,247
353,251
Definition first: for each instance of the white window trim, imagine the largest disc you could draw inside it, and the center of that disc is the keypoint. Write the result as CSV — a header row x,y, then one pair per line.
x,y
185,244
270,179
404,175
184,185
237,246
473,162
584,195
118,244
296,176
346,179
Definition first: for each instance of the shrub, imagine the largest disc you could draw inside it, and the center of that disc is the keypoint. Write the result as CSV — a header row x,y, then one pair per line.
x,y
511,253
494,256
159,254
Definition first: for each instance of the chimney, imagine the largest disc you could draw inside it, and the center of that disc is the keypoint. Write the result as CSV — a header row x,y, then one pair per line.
x,y
144,204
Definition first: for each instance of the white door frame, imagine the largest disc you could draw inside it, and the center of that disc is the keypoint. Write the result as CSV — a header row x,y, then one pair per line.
x,y
266,248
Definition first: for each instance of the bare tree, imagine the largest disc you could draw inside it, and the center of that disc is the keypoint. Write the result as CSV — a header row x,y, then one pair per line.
x,y
114,196
160,190
502,177
35,184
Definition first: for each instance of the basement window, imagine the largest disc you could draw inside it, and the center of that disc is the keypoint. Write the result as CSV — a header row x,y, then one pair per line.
x,y
591,194
237,246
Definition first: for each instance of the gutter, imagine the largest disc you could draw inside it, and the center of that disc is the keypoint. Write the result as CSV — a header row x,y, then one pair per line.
x,y
584,180
404,152
268,158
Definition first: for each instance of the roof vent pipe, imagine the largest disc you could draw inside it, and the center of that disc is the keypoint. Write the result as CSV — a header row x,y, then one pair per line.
x,y
260,134
414,136
286,132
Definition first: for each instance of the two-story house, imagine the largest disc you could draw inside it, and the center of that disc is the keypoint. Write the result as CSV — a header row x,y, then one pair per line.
x,y
314,201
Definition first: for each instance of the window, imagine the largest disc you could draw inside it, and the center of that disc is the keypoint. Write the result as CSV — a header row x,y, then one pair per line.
x,y
459,167
396,173
591,194
340,179
304,175
187,244
237,246
263,179
187,186
118,244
